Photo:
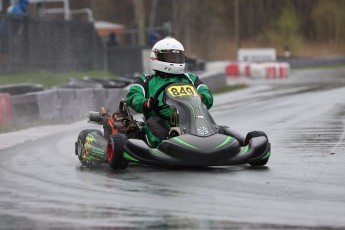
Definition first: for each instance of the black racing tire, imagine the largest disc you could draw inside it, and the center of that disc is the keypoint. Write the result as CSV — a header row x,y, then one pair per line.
x,y
18,89
259,163
251,135
79,146
115,152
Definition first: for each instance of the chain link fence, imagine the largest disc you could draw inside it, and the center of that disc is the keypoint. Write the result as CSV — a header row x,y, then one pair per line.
x,y
28,43
33,43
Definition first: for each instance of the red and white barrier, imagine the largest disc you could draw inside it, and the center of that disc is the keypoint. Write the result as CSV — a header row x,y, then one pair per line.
x,y
5,109
236,69
245,69
276,70
258,70
233,69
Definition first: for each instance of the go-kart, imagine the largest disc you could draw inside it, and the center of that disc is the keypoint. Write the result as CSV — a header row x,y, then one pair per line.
x,y
194,138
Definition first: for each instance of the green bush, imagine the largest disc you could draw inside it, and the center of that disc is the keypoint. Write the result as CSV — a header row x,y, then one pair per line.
x,y
329,20
285,30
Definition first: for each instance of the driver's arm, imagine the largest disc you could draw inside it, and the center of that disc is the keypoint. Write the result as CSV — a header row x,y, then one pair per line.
x,y
206,95
136,95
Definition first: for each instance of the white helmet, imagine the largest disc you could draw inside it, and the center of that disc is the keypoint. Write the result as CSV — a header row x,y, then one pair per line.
x,y
167,56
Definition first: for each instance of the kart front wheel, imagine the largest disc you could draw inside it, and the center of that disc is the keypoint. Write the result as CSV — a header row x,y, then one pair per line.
x,y
79,145
259,163
250,136
115,152
253,134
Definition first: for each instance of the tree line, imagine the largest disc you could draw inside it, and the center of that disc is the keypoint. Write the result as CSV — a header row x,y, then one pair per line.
x,y
207,27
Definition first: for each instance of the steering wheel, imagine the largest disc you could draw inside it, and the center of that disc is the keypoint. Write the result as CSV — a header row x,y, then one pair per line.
x,y
164,106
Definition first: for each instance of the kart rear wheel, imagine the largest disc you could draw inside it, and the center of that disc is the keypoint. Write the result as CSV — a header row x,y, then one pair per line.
x,y
79,146
251,135
115,152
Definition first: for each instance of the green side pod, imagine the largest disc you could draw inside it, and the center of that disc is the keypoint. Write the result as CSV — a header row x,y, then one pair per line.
x,y
227,140
246,148
267,155
129,157
184,143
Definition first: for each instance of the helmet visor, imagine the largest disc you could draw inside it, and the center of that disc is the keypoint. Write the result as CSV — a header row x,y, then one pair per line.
x,y
172,56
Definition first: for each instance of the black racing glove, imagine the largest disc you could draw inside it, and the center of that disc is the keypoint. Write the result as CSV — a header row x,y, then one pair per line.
x,y
151,104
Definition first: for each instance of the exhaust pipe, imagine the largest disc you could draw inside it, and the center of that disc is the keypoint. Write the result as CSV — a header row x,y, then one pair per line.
x,y
95,117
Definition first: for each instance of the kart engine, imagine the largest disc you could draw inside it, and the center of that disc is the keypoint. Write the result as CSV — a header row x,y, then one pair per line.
x,y
119,122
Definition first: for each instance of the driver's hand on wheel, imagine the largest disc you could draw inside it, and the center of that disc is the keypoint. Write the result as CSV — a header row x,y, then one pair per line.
x,y
151,103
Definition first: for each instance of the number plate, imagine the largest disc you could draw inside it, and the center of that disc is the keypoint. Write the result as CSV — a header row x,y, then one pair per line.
x,y
182,90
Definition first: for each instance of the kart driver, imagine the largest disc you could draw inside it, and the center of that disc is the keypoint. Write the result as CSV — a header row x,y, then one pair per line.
x,y
168,63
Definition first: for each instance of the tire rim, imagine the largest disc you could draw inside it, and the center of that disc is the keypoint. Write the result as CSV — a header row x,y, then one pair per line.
x,y
110,151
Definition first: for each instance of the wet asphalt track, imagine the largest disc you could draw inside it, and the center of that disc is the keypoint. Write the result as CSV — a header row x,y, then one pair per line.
x,y
42,184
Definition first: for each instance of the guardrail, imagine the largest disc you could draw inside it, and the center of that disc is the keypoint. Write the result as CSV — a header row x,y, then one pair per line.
x,y
66,104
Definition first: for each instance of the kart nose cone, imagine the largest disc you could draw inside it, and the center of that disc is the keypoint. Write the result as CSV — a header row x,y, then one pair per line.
x,y
191,148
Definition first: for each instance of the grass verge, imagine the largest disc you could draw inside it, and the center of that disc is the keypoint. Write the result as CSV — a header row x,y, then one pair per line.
x,y
49,79
229,88
16,127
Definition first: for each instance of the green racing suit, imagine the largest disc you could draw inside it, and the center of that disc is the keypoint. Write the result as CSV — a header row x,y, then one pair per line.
x,y
145,86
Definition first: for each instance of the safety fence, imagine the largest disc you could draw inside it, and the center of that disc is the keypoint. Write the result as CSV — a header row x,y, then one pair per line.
x,y
272,70
32,43
28,43
68,104
264,70
268,70
125,60
63,104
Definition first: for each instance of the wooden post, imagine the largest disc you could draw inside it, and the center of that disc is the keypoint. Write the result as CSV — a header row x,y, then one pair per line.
x,y
237,25
140,18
